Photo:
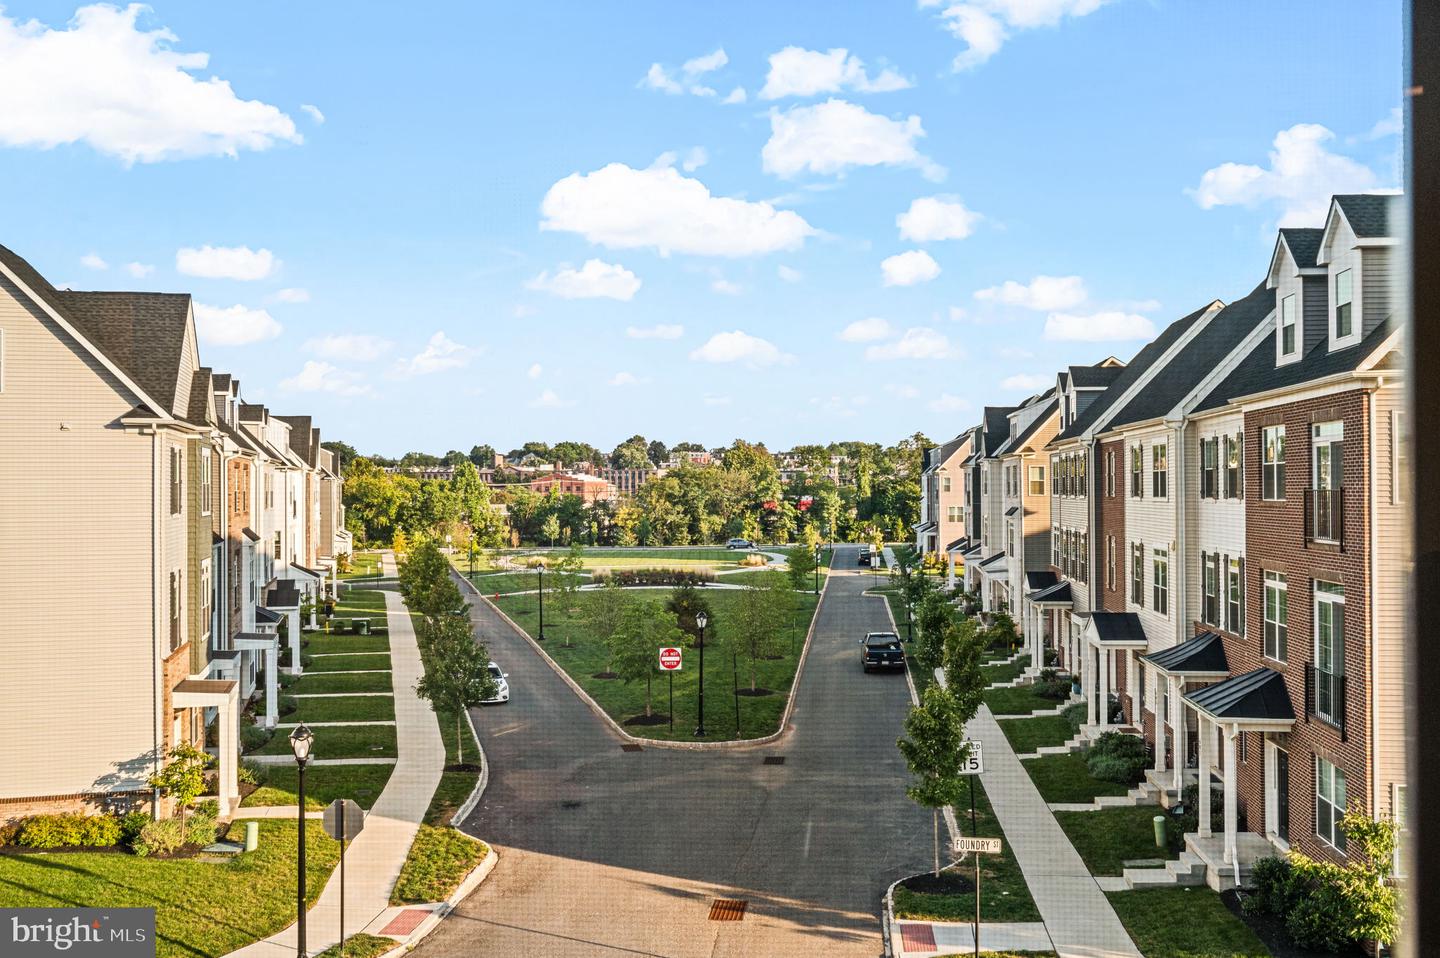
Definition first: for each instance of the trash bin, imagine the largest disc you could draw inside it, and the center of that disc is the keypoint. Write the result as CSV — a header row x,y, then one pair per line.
x,y
362,626
252,836
1159,821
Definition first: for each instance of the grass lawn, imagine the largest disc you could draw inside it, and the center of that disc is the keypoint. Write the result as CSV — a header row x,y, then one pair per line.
x,y
1019,700
201,908
1112,836
321,683
319,643
323,784
759,715
1007,672
508,582
1065,778
1184,923
617,558
762,577
360,946
1028,734
363,564
439,860
360,602
336,662
1003,892
343,741
349,708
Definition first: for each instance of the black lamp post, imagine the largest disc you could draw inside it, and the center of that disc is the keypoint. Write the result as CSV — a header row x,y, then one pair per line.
x,y
909,616
540,591
301,741
701,619
472,558
817,569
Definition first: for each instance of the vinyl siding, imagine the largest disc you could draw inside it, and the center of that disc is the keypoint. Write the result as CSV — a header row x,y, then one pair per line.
x,y
1378,280
75,573
1151,522
1213,525
1388,603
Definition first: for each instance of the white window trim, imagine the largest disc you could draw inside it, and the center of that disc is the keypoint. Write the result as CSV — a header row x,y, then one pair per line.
x,y
1349,261
1155,472
1282,357
1279,486
1329,800
1160,561
1272,812
1281,583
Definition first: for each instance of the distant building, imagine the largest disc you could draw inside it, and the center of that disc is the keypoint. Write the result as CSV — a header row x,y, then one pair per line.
x,y
589,488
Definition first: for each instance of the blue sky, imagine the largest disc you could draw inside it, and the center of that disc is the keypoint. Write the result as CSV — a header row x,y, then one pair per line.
x,y
430,191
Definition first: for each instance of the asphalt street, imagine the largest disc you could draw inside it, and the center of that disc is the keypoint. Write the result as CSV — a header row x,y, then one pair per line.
x,y
608,852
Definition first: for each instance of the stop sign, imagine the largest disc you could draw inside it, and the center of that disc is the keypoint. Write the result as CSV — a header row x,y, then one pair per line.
x,y
670,659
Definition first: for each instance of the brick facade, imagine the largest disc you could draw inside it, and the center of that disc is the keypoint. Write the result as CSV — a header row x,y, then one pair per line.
x,y
1110,515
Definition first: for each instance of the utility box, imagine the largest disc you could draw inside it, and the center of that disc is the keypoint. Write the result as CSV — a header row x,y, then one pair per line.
x,y
252,836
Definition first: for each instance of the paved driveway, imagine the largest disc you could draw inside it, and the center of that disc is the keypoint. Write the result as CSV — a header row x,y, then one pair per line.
x,y
606,852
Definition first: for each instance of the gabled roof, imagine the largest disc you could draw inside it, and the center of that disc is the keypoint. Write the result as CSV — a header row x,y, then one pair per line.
x,y
997,427
1041,579
142,333
251,534
199,411
1202,655
1121,628
1367,213
1095,377
1198,359
1017,441
1303,244
300,437
1256,696
993,559
220,382
1132,372
1257,372
961,543
263,614
1057,594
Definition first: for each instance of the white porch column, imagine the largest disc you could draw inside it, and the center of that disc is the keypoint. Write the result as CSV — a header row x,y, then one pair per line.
x,y
1135,718
272,706
1106,662
1087,684
292,629
314,602
229,782
1159,712
1177,726
1205,746
1231,772
950,574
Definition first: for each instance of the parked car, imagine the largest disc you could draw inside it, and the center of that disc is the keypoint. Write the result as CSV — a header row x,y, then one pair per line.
x,y
739,544
881,650
502,686
864,556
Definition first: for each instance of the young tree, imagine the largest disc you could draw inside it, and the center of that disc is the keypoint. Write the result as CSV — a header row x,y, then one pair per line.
x,y
566,577
550,528
426,583
457,675
934,748
1002,632
935,618
644,627
684,603
183,777
963,649
757,624
800,562
607,606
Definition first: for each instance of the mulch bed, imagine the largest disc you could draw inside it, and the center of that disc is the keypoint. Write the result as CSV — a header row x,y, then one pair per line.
x,y
656,719
755,693
949,883
462,767
1271,931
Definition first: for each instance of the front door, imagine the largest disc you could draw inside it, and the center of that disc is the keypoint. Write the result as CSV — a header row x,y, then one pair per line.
x,y
1327,469
1279,797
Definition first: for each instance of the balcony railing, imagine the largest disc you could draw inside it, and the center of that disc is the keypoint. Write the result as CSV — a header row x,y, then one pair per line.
x,y
1325,695
1325,515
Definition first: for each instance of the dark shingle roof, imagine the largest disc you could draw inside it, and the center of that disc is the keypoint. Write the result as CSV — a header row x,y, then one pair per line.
x,y
198,413
220,382
1120,627
1202,655
1367,213
1091,377
142,333
1019,439
1059,593
997,427
1258,373
1198,359
1304,245
1260,694
300,437
1042,579
1136,368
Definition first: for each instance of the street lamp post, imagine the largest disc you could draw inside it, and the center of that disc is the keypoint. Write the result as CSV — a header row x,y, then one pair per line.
x,y
909,614
301,741
701,620
735,684
472,559
817,569
540,592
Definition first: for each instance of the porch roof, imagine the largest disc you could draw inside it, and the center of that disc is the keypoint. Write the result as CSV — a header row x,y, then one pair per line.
x,y
972,551
1041,579
282,594
1255,697
256,641
992,560
1057,594
1200,657
203,693
925,526
306,571
1012,510
961,545
1118,629
251,534
264,615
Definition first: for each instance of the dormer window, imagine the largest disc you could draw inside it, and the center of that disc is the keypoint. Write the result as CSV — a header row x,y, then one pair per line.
x,y
1344,296
1288,325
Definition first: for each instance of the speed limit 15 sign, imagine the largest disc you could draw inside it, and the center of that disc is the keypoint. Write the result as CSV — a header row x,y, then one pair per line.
x,y
972,764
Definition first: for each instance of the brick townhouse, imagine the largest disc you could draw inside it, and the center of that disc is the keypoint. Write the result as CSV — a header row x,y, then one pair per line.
x,y
942,495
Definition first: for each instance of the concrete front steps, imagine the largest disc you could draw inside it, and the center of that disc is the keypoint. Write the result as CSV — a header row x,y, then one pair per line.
x,y
1074,745
1189,869
1142,794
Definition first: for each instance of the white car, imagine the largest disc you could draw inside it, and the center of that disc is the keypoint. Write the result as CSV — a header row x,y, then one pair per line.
x,y
502,687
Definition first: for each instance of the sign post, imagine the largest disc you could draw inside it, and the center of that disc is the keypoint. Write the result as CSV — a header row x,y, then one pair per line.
x,y
343,820
973,765
670,663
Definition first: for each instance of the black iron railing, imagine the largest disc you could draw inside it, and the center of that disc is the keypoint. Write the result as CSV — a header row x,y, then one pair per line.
x,y
1325,515
1325,695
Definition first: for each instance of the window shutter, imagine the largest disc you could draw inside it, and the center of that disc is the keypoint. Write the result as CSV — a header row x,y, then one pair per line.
x,y
1240,438
1243,590
1224,587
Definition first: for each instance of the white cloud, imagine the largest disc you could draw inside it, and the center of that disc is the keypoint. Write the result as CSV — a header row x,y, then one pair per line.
x,y
948,403
1042,293
548,399
726,287
867,330
623,378
440,353
292,294
705,64
985,25
909,268
124,91
658,331
736,95
1392,124
789,274
795,71
1027,382
535,371
351,347
226,262
694,159
313,111
594,280
322,377
828,138
739,347
661,79
1098,327
233,325
656,78
139,270
625,208
933,218
919,342
1300,180
93,261
957,314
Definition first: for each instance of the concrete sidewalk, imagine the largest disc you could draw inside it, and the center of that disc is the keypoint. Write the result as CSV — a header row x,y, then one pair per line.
x,y
373,861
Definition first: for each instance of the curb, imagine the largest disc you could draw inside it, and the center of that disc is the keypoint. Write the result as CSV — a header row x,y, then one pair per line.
x,y
468,806
659,743
472,881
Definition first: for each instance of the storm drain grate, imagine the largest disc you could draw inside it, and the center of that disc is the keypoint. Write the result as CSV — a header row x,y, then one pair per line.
x,y
774,760
727,909
631,747
571,803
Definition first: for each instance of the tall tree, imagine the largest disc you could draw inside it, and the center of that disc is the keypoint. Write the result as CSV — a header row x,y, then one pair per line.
x,y
343,450
800,566
483,456
457,674
607,605
426,583
550,528
634,645
633,453
657,452
757,622
934,749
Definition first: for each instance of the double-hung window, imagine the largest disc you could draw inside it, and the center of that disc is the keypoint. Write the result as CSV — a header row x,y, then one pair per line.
x,y
1082,556
1137,574
207,481
1272,462
1110,562
1232,467
1210,570
1110,473
1159,470
1288,325
1160,583
1329,650
1055,558
944,483
1344,303
1329,803
1209,469
174,611
1137,483
177,481
1235,597
1037,480
1082,487
1277,605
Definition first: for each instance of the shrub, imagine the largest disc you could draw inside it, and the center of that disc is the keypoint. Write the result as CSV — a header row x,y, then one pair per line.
x,y
1272,878
1190,818
1117,757
634,577
286,679
286,704
208,808
68,831
160,838
1051,657
8,832
755,559
251,774
131,825
1075,715
1057,689
201,830
253,737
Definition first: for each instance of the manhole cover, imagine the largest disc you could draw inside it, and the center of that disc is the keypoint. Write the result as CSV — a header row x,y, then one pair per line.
x,y
631,747
571,803
727,909
774,760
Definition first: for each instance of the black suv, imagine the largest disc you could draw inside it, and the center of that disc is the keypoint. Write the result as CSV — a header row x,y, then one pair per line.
x,y
881,650
864,556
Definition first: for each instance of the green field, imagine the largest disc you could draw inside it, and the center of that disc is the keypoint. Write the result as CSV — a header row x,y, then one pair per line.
x,y
333,662
342,741
759,715
349,708
323,784
1066,778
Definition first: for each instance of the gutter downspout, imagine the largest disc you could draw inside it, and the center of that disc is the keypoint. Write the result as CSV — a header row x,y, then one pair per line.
x,y
1181,539
1372,661
156,676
